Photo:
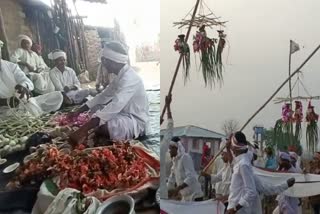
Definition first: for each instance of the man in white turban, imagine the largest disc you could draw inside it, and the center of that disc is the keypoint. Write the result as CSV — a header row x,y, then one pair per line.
x,y
65,79
15,88
25,57
121,110
183,174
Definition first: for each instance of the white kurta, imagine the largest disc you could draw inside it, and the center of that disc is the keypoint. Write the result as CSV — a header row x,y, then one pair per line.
x,y
243,189
21,55
10,76
125,105
288,205
183,172
224,179
164,146
68,78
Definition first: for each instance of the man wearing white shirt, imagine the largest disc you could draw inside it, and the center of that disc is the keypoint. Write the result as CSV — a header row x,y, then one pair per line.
x,y
243,193
65,79
121,110
183,179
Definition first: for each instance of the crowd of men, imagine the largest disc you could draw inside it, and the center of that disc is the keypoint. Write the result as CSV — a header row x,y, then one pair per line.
x,y
233,177
119,109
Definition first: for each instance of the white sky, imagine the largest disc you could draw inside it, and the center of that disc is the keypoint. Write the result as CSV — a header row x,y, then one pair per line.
x,y
259,34
139,24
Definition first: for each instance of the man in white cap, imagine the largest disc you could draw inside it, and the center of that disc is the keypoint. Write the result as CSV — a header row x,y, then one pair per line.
x,y
65,79
25,57
243,193
13,81
294,158
121,110
183,179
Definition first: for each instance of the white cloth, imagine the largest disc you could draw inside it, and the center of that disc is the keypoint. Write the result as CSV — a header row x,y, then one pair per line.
x,y
24,37
30,57
183,172
224,179
114,56
288,205
243,189
125,96
202,207
164,145
10,76
42,82
57,54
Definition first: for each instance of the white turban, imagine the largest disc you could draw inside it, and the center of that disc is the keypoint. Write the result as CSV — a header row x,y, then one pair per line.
x,y
237,145
57,54
293,156
285,156
24,37
114,56
180,147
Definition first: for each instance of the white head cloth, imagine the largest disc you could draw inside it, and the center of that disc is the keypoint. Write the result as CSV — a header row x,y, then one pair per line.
x,y
57,54
180,147
293,156
114,56
285,156
237,145
1,44
24,37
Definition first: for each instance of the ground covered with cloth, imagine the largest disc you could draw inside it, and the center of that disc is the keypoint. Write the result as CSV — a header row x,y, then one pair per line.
x,y
179,207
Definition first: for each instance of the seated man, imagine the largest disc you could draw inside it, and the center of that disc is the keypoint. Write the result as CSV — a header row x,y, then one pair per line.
x,y
12,81
25,57
123,113
42,82
65,79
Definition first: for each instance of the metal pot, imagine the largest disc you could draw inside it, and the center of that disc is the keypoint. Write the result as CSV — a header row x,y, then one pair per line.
x,y
121,204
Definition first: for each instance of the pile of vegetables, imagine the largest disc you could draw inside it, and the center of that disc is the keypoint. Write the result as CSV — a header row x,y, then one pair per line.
x,y
78,120
87,170
9,144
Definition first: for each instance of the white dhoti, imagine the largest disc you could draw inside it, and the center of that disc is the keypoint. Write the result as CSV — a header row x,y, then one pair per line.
x,y
121,128
37,106
42,82
78,96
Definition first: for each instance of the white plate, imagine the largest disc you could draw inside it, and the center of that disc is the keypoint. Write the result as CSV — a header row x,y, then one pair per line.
x,y
11,168
2,161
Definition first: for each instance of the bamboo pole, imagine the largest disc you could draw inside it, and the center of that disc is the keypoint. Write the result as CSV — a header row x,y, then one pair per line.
x,y
264,105
180,59
3,36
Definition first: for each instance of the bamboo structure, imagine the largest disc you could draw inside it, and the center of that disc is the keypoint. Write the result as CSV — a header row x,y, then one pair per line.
x,y
265,104
283,99
57,28
180,58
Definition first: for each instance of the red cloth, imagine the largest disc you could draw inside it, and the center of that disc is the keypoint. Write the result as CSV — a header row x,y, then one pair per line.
x,y
205,158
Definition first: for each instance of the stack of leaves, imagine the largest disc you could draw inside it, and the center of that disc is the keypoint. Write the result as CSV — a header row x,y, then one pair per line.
x,y
206,47
312,128
183,48
297,118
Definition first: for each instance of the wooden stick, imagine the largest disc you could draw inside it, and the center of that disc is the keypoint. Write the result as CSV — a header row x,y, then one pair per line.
x,y
3,36
280,87
282,99
180,58
264,105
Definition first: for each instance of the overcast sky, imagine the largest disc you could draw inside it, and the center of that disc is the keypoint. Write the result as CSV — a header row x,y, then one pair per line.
x,y
258,32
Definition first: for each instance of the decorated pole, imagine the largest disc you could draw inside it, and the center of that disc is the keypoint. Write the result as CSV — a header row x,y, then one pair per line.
x,y
180,59
264,105
290,91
